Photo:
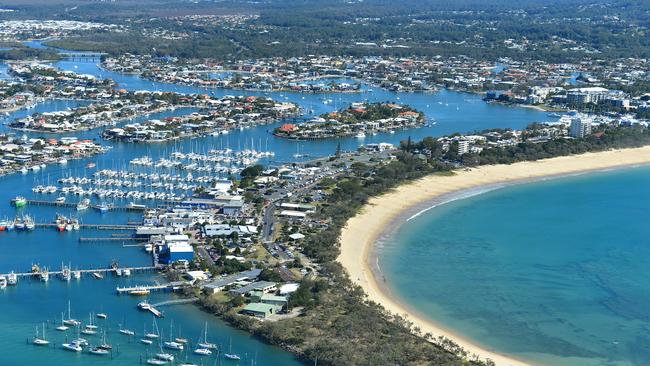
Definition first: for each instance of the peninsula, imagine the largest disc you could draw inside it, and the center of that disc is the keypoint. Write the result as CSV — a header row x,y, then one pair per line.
x,y
358,119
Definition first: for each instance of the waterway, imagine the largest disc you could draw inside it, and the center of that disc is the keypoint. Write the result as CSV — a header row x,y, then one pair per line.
x,y
31,303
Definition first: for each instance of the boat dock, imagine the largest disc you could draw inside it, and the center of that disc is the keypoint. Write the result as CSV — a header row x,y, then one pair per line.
x,y
91,226
157,313
156,287
74,205
118,239
175,302
86,271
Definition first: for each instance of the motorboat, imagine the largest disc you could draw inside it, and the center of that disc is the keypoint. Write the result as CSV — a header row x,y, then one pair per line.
x,y
12,279
127,332
165,356
72,346
139,292
174,345
203,351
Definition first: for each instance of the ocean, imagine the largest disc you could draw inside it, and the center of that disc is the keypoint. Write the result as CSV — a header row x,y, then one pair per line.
x,y
555,272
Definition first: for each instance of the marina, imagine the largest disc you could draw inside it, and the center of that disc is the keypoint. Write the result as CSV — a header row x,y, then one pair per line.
x,y
215,158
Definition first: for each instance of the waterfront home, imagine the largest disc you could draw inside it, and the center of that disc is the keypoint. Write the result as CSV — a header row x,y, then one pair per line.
x,y
358,119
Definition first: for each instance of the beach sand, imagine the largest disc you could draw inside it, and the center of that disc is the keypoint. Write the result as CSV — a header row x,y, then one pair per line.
x,y
387,211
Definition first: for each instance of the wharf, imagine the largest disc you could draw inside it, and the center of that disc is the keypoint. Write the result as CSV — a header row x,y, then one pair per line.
x,y
156,287
93,226
175,302
74,205
118,239
87,271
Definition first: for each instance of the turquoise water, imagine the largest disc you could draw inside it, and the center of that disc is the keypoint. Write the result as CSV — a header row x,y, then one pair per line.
x,y
557,272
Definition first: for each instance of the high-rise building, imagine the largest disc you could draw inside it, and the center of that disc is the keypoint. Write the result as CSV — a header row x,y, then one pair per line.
x,y
463,147
580,127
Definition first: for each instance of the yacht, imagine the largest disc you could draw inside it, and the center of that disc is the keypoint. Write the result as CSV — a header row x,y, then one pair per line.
x,y
60,224
19,224
127,332
66,275
72,346
102,316
81,341
70,321
103,208
62,327
20,201
99,351
83,205
3,282
165,356
231,356
204,343
105,344
146,341
40,341
203,351
140,292
89,331
12,279
174,345
29,223
154,361
360,135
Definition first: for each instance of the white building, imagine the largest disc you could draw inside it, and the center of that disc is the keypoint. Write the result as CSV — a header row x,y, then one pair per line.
x,y
463,147
580,127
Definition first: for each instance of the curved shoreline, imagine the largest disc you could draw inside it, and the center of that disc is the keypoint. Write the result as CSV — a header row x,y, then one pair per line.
x,y
384,214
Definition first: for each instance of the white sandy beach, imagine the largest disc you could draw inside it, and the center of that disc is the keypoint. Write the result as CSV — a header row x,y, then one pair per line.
x,y
361,232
